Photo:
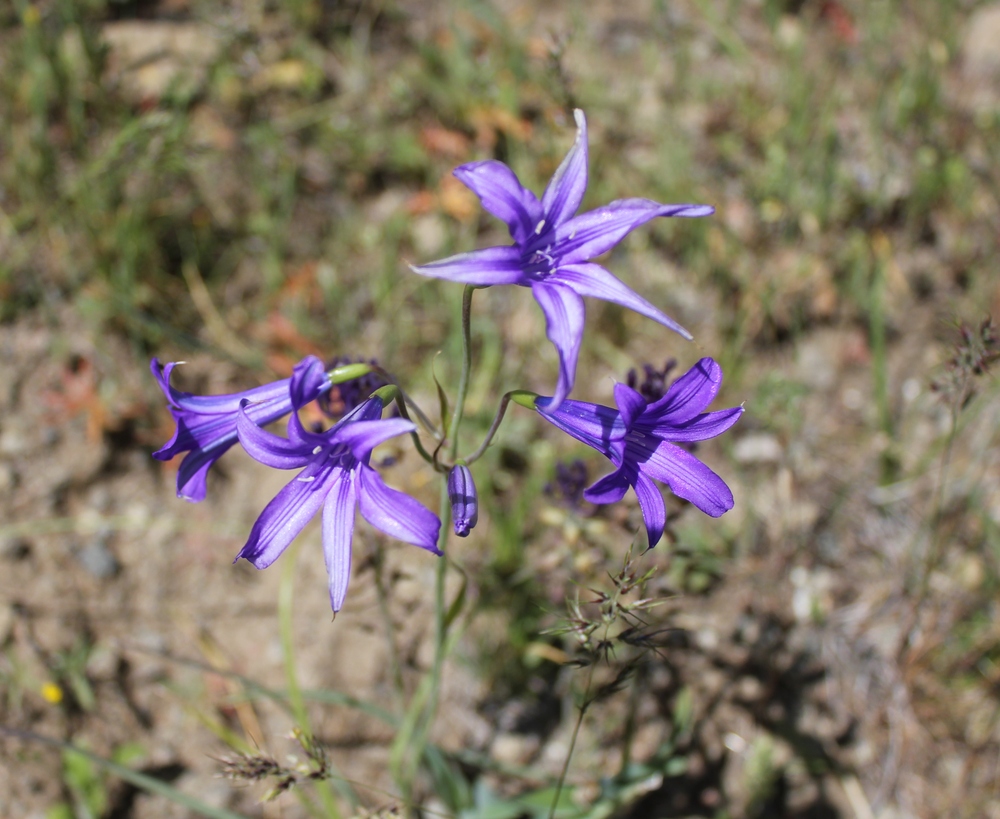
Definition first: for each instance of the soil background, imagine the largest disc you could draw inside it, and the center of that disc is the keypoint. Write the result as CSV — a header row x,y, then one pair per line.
x,y
238,185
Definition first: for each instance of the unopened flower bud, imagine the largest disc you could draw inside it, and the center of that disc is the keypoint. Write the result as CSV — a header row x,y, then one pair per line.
x,y
464,500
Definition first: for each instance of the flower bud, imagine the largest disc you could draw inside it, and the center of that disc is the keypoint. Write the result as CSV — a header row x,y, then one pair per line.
x,y
464,500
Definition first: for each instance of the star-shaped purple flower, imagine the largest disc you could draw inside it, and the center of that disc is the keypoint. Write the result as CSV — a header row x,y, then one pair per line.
x,y
552,247
336,477
206,424
640,439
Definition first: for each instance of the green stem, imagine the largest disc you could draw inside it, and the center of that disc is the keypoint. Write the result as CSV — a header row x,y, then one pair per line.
x,y
440,607
932,557
418,445
286,589
584,705
409,402
440,629
463,381
424,718
383,607
497,420
880,370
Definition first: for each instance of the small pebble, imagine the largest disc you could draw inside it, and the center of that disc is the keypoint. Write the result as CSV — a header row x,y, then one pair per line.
x,y
98,559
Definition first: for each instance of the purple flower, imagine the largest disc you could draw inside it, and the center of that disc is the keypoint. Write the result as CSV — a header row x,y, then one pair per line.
x,y
552,247
344,397
639,438
464,500
336,477
206,424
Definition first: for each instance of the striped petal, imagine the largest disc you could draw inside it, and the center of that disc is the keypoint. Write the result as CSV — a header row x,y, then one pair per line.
x,y
491,265
565,190
502,194
288,513
338,533
594,281
564,316
597,231
688,396
396,513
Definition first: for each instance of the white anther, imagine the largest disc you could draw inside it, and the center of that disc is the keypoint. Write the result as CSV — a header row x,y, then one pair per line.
x,y
539,226
317,450
308,479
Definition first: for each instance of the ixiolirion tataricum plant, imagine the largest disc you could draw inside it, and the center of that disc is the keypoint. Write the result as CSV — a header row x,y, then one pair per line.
x,y
551,252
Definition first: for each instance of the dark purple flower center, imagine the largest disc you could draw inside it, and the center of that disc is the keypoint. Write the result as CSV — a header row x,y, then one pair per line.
x,y
655,384
540,262
342,398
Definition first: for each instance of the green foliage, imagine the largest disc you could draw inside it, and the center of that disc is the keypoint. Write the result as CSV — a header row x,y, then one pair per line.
x,y
87,782
293,194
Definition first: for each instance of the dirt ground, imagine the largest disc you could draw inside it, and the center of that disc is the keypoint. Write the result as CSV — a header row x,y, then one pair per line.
x,y
829,648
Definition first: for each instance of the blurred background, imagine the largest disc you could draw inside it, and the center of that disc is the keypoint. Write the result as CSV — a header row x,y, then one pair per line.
x,y
239,184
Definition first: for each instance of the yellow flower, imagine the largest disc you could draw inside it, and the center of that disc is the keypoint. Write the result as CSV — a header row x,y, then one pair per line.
x,y
52,693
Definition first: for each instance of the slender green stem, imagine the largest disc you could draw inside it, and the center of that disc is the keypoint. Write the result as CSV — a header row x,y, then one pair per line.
x,y
497,420
418,445
440,626
423,719
463,381
628,733
383,607
581,713
413,732
286,588
932,557
880,370
440,607
409,402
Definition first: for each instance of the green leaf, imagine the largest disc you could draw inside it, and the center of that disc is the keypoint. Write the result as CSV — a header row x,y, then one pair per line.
x,y
456,606
442,401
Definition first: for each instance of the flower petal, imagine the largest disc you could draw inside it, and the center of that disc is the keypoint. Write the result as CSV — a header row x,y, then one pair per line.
x,y
215,404
288,513
396,513
564,315
688,396
688,478
491,265
338,532
162,375
368,410
363,436
699,428
193,471
595,232
565,190
309,381
596,426
594,281
197,430
502,194
630,403
267,448
609,489
654,513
